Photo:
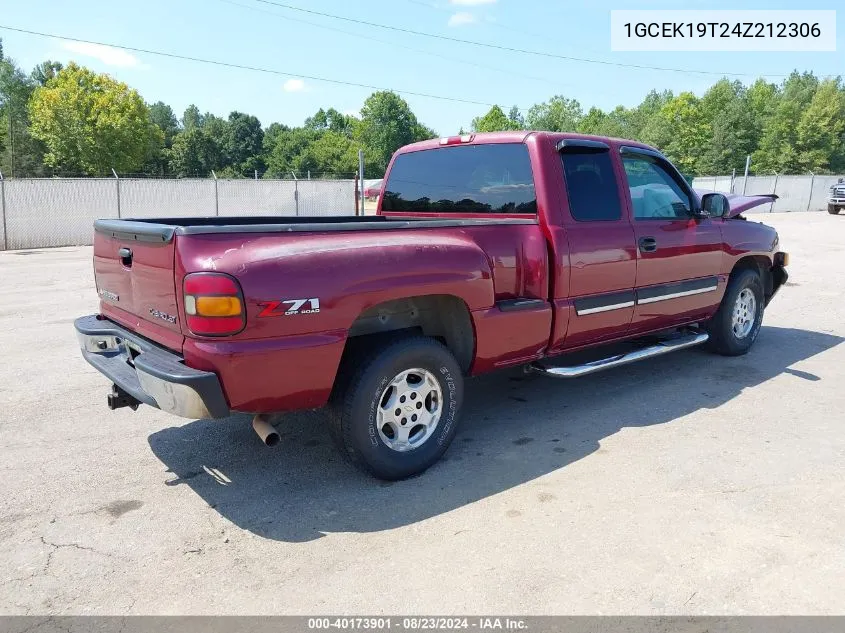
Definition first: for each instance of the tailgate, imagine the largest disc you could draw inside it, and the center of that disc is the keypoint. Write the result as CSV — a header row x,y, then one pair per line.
x,y
133,269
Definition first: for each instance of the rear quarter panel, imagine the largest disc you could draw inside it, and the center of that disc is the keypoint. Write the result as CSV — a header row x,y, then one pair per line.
x,y
289,362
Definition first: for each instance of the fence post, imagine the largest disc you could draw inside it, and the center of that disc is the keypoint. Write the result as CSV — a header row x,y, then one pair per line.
x,y
3,211
356,192
117,183
733,178
295,193
216,195
747,168
774,190
810,197
361,171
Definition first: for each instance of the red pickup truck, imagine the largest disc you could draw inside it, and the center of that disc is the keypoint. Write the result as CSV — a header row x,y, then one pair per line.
x,y
563,253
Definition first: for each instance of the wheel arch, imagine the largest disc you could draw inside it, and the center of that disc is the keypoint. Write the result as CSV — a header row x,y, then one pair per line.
x,y
444,317
760,264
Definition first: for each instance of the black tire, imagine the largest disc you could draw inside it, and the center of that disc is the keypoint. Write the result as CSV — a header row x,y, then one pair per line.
x,y
353,413
723,339
832,209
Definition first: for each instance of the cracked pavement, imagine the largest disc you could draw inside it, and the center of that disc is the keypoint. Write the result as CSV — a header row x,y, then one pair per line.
x,y
689,484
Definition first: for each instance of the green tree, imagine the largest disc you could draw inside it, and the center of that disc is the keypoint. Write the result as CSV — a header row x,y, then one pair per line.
x,y
820,135
680,130
600,123
643,122
331,119
243,143
494,121
516,119
732,138
778,148
727,113
387,123
194,153
161,116
191,118
286,154
45,71
558,114
91,123
331,153
20,153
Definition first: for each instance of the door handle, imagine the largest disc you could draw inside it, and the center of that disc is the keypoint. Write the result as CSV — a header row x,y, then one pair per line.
x,y
648,244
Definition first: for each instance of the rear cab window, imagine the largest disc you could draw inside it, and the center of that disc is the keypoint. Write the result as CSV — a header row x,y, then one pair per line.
x,y
466,179
591,185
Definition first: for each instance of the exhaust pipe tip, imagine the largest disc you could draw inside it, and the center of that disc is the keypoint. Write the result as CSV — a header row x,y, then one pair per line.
x,y
269,435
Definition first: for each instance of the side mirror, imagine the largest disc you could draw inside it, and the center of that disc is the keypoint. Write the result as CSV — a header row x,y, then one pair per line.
x,y
715,204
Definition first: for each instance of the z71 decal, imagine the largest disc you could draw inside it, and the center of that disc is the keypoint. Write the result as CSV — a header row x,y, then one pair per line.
x,y
290,307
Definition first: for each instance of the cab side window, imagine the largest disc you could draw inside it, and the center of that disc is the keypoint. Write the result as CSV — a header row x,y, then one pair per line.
x,y
655,194
591,186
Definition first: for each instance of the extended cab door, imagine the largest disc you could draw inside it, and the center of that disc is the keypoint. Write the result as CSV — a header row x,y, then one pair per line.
x,y
679,255
599,303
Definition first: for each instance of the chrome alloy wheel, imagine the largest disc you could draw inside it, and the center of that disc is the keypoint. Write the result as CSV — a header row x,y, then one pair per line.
x,y
409,409
744,313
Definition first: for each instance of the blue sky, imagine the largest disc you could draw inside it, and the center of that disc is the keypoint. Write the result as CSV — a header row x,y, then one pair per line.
x,y
248,32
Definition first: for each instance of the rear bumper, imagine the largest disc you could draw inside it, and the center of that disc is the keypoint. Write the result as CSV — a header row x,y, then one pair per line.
x,y
149,373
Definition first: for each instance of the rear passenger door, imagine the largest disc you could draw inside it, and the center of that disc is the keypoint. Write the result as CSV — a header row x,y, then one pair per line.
x,y
602,251
679,254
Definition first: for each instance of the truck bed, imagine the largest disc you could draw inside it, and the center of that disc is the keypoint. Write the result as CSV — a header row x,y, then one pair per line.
x,y
163,229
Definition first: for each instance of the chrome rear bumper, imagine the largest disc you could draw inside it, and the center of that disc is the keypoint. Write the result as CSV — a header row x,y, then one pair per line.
x,y
148,372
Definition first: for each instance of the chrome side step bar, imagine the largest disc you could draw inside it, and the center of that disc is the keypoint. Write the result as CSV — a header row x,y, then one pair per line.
x,y
664,347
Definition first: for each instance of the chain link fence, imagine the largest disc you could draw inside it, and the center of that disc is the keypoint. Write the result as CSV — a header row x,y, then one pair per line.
x,y
42,213
795,193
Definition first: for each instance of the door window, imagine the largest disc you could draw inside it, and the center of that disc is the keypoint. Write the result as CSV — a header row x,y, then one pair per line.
x,y
655,194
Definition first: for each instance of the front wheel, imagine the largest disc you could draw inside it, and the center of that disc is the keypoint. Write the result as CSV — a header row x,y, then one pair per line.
x,y
736,324
397,413
832,209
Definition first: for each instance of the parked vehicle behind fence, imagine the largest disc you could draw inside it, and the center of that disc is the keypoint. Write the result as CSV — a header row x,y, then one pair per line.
x,y
836,198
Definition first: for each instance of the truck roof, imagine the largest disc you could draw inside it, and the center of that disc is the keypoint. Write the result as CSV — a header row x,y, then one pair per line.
x,y
481,138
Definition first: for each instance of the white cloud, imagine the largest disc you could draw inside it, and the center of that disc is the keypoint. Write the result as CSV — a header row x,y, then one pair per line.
x,y
294,85
472,3
108,55
461,18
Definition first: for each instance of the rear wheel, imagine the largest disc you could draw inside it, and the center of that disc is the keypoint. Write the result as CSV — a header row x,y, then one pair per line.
x,y
397,412
833,209
736,324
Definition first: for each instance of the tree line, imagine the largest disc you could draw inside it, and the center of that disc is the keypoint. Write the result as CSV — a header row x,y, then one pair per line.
x,y
69,120
794,127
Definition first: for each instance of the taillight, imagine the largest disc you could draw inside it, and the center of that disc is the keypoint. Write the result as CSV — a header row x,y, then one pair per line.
x,y
214,304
